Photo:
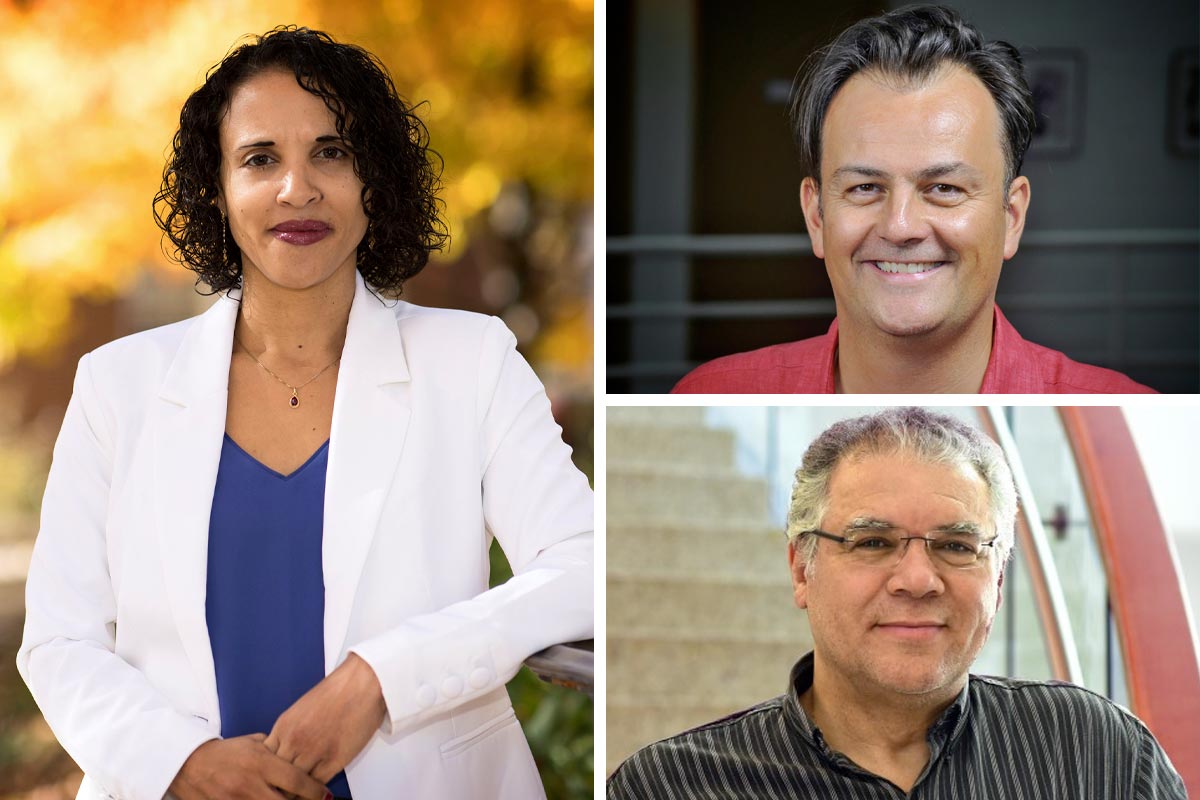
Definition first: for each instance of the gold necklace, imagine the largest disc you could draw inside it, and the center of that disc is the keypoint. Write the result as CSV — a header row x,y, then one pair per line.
x,y
294,400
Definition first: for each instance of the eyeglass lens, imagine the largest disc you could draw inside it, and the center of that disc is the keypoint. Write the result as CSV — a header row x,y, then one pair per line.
x,y
956,550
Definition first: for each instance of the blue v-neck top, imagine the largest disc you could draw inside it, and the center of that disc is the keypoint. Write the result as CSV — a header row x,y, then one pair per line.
x,y
266,589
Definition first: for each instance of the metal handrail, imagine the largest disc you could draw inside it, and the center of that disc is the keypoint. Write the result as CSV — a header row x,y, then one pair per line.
x,y
796,309
570,665
677,369
781,244
1048,592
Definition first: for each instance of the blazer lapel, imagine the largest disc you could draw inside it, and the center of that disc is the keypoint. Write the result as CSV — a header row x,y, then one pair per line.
x,y
370,420
187,438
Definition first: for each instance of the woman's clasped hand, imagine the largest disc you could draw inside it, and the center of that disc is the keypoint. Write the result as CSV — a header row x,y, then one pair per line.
x,y
310,743
242,768
332,722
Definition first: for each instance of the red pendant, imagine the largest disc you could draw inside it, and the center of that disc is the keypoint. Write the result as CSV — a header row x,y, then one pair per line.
x,y
295,401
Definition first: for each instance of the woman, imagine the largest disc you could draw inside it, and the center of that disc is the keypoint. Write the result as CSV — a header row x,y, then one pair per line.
x,y
262,566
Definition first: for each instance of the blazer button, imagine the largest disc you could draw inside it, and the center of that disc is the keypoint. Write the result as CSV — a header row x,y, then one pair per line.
x,y
479,677
426,695
452,686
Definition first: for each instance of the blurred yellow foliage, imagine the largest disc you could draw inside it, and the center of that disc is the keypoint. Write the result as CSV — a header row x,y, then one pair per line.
x,y
90,92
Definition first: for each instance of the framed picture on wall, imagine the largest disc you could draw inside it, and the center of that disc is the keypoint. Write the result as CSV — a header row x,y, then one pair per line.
x,y
1183,123
1056,79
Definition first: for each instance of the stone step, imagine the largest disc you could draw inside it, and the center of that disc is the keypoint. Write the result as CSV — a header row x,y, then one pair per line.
x,y
701,621
671,470
752,607
655,496
633,549
700,449
660,416
695,672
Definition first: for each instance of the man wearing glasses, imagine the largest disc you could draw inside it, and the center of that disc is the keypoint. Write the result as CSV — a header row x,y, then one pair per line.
x,y
899,529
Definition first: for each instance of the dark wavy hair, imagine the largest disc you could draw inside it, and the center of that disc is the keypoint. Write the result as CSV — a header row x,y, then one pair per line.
x,y
912,44
401,175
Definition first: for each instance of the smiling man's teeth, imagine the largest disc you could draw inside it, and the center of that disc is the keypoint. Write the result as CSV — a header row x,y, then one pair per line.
x,y
893,266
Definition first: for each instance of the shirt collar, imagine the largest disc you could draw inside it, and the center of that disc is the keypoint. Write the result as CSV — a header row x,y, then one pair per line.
x,y
829,359
945,731
1007,368
1010,366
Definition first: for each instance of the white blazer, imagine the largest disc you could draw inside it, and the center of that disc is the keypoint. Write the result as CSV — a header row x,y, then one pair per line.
x,y
442,437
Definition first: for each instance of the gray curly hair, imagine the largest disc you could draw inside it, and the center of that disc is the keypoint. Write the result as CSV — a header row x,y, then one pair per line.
x,y
931,437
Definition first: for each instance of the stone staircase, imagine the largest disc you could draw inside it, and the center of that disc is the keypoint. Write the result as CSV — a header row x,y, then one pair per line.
x,y
700,616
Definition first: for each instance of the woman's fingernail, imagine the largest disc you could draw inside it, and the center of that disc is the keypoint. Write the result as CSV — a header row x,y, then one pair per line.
x,y
328,795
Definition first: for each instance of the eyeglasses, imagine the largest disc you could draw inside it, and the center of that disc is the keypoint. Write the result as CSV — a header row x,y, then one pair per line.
x,y
886,548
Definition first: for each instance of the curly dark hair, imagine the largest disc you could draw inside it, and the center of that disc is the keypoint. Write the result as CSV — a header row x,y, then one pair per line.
x,y
401,175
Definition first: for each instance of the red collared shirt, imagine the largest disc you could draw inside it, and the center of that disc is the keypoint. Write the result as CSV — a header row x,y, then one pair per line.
x,y
806,367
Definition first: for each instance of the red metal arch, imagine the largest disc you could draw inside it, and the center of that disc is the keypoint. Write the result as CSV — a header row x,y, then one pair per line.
x,y
1144,584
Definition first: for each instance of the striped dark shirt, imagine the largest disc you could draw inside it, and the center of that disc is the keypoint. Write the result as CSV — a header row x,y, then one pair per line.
x,y
1001,738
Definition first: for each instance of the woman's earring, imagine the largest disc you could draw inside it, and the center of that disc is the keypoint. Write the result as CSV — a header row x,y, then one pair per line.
x,y
224,244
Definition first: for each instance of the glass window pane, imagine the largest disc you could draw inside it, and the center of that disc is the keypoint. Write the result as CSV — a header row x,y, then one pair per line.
x,y
1060,500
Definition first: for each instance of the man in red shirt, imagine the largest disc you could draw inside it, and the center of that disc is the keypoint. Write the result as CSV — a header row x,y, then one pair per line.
x,y
912,130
